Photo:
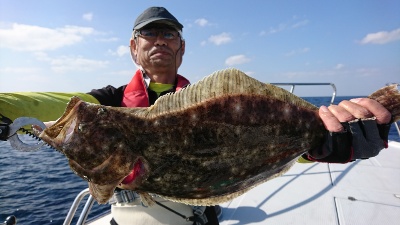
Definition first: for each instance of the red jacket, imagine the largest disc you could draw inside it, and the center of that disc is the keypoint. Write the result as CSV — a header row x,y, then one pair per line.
x,y
135,93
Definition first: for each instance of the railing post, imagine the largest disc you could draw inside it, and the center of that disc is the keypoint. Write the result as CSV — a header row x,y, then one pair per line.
x,y
74,206
312,84
86,210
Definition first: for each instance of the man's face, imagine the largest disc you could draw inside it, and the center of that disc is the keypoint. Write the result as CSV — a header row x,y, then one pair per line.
x,y
158,47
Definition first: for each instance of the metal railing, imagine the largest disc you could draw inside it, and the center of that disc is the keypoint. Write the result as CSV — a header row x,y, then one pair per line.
x,y
74,207
396,124
293,85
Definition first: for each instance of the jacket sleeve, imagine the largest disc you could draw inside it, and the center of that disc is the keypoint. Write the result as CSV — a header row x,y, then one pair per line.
x,y
109,96
45,106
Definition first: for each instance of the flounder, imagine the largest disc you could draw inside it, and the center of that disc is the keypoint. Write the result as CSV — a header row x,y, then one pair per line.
x,y
204,145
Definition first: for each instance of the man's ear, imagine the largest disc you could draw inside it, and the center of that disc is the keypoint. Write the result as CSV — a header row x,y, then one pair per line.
x,y
183,45
133,45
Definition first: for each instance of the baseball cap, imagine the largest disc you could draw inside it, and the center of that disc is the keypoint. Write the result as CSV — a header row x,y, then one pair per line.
x,y
156,14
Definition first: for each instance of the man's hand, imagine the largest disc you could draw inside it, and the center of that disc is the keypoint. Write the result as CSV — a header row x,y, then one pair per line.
x,y
358,129
359,108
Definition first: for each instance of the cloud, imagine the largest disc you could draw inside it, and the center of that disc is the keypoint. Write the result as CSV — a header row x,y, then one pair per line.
x,y
368,72
19,70
382,37
236,60
64,64
111,39
299,24
334,73
263,33
125,73
220,39
23,37
297,51
201,22
294,24
88,16
279,28
339,66
121,51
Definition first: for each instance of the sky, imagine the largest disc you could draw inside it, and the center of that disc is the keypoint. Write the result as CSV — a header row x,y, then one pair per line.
x,y
77,46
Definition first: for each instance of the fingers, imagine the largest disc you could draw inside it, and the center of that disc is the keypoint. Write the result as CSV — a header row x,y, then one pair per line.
x,y
333,115
341,113
330,121
383,116
356,110
346,111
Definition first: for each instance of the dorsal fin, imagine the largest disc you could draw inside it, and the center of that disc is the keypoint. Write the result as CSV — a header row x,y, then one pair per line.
x,y
220,83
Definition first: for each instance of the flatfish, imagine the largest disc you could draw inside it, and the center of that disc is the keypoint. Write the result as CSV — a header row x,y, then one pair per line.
x,y
203,145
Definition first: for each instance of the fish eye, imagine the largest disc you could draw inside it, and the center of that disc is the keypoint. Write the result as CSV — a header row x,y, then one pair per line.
x,y
80,127
101,111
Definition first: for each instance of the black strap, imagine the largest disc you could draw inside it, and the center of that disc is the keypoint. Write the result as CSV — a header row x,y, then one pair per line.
x,y
196,219
113,222
4,127
166,207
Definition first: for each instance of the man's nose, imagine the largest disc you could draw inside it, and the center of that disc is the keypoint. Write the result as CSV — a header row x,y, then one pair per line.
x,y
160,40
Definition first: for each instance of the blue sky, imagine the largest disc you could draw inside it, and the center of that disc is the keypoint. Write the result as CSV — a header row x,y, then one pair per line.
x,y
75,46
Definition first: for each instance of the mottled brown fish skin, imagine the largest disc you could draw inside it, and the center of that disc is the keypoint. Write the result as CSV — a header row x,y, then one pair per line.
x,y
388,97
222,146
202,146
244,141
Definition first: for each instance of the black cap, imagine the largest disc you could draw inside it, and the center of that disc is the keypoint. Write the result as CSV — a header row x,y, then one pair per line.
x,y
153,14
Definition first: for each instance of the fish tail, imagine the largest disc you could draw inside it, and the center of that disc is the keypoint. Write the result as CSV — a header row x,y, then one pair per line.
x,y
389,97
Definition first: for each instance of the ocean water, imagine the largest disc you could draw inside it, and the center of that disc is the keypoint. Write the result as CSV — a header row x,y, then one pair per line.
x,y
39,188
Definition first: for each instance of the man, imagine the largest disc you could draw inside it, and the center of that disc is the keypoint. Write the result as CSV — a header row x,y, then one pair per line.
x,y
157,47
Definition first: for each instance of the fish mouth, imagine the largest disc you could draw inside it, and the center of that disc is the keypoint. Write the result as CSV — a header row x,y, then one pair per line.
x,y
62,130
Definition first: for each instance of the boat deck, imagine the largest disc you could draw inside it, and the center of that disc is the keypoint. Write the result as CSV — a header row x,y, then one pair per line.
x,y
362,192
